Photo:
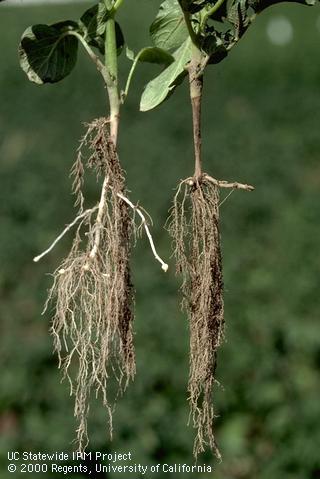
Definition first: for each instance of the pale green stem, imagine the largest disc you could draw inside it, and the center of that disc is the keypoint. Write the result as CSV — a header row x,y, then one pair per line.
x,y
191,31
117,5
111,62
132,69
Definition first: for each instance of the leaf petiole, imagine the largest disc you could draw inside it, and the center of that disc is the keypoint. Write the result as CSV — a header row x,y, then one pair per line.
x,y
192,33
210,12
117,5
100,66
148,55
132,69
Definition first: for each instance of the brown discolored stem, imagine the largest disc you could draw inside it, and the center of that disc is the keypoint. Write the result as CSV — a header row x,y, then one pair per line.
x,y
196,86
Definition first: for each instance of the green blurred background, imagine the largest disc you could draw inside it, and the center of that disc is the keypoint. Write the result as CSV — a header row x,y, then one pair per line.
x,y
261,126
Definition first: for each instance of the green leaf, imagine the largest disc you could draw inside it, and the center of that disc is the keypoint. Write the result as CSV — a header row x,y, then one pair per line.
x,y
214,46
238,17
149,55
164,84
93,21
48,54
260,5
93,26
155,55
194,6
169,31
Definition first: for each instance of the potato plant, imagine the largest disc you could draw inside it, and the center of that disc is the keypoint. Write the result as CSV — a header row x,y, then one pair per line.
x,y
92,290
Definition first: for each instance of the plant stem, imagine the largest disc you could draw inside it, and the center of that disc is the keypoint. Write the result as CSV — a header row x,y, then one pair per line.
x,y
111,62
196,86
191,31
111,65
195,69
117,5
132,70
99,225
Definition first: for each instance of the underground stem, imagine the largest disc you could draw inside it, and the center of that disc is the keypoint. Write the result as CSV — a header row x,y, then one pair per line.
x,y
111,63
101,207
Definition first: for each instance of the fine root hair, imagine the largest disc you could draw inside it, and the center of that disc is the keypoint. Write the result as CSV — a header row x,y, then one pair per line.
x,y
92,289
194,228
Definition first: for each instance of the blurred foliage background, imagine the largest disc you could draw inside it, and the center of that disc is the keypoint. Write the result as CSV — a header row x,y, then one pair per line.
x,y
261,126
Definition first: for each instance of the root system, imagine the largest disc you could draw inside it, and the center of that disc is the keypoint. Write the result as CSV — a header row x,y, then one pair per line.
x,y
92,289
194,227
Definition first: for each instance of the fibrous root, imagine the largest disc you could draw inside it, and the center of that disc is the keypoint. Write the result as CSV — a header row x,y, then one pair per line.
x,y
194,228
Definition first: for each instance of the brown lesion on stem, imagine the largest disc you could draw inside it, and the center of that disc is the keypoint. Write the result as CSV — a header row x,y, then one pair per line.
x,y
196,87
195,71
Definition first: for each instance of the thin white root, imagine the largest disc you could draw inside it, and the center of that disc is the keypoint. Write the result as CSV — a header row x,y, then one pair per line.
x,y
164,265
67,228
102,203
